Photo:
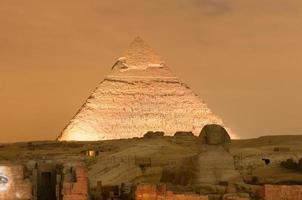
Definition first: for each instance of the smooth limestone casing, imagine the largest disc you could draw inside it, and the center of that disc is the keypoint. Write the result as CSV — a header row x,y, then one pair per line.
x,y
141,94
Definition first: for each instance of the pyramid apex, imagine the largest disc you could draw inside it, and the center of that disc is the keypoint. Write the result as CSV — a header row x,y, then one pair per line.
x,y
138,39
140,60
140,55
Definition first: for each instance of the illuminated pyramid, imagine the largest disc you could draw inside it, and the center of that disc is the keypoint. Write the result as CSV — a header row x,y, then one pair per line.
x,y
141,94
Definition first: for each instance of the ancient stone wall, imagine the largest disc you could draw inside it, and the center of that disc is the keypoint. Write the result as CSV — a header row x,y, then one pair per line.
x,y
13,186
283,192
159,192
235,196
75,182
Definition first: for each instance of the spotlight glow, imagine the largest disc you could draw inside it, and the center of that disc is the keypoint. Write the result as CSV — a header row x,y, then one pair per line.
x,y
3,182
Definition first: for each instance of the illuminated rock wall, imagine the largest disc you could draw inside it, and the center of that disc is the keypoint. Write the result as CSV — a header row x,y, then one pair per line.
x,y
159,192
76,189
234,197
140,95
13,186
283,192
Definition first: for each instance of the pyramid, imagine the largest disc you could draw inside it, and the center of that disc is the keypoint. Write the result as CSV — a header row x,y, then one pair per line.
x,y
140,94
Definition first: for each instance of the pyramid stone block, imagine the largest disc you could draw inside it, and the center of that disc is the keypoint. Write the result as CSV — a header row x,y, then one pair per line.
x,y
140,94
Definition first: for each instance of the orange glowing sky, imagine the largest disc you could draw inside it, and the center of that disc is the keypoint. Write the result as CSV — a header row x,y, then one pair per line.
x,y
242,57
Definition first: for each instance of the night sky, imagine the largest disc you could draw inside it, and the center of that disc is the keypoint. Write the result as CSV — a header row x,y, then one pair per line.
x,y
243,57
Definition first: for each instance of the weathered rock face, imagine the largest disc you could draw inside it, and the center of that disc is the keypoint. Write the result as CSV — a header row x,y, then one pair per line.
x,y
140,95
280,192
75,188
182,134
160,192
154,134
236,196
214,165
214,134
13,185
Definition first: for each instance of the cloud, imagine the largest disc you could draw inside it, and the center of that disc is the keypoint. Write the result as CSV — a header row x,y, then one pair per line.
x,y
212,7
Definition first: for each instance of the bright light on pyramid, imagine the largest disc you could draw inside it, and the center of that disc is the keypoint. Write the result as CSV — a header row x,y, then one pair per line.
x,y
140,94
4,181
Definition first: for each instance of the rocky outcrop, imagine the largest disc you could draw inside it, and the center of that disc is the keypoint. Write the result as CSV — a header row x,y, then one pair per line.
x,y
154,134
184,134
141,94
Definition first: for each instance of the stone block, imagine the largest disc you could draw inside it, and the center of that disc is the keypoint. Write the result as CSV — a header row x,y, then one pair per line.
x,y
281,192
189,197
78,188
236,196
154,192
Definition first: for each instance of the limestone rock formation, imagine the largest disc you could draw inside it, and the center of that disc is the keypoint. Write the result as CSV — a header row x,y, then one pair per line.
x,y
141,94
211,167
183,134
214,164
154,134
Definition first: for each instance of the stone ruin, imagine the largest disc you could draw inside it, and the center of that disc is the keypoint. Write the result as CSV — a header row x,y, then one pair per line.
x,y
13,183
265,192
211,169
208,174
45,181
213,176
154,134
142,98
282,192
160,192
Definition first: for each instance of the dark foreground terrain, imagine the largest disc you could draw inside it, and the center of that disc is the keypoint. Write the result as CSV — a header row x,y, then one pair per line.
x,y
182,162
